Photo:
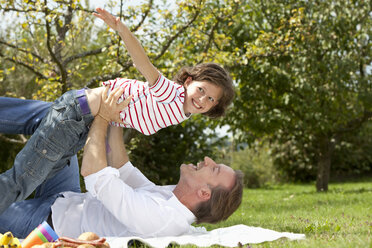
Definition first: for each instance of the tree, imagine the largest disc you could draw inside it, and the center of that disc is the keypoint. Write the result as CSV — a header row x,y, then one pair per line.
x,y
53,43
303,78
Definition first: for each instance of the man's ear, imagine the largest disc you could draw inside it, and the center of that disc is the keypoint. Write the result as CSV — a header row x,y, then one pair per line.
x,y
204,193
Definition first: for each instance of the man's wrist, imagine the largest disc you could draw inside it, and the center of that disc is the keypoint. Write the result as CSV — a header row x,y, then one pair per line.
x,y
103,118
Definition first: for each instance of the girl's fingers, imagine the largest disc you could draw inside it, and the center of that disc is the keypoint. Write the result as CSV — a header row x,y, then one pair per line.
x,y
99,16
102,12
106,17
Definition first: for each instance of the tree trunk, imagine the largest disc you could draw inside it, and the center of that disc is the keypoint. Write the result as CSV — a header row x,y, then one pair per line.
x,y
324,164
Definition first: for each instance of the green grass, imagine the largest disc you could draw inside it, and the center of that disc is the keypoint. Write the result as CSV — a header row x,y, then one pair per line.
x,y
341,217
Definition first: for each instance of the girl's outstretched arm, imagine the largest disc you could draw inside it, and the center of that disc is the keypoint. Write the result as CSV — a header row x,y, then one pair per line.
x,y
136,51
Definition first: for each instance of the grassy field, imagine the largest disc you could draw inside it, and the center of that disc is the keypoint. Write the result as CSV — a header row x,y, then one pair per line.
x,y
342,217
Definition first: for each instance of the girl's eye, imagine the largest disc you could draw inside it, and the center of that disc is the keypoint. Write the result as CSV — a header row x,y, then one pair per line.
x,y
201,89
211,99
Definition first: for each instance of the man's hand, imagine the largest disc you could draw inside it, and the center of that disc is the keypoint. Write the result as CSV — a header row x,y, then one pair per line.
x,y
112,21
110,108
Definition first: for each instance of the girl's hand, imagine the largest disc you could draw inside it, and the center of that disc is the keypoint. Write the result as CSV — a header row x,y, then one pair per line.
x,y
112,21
110,108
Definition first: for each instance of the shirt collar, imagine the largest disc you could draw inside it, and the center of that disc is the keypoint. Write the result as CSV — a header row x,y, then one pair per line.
x,y
189,216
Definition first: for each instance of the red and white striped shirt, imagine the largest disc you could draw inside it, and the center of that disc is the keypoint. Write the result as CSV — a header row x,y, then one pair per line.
x,y
151,108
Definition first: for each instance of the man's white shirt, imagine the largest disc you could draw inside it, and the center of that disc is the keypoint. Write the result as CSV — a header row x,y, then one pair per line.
x,y
121,202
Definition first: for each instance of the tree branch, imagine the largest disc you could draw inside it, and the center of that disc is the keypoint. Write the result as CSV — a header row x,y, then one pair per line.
x,y
106,77
52,54
356,123
84,54
15,141
85,10
144,16
21,10
180,31
211,38
26,66
23,50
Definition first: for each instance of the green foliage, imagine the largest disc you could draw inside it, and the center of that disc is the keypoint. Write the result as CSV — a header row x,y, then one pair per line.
x,y
46,45
303,82
257,165
353,155
8,152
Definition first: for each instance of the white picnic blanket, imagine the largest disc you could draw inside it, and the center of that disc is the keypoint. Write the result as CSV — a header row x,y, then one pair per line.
x,y
228,236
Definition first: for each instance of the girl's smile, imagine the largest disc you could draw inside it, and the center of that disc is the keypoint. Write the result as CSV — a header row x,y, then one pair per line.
x,y
200,96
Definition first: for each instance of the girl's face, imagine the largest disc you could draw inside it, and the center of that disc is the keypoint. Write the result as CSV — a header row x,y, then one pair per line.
x,y
200,96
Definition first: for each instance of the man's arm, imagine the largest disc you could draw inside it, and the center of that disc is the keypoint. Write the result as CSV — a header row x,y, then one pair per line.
x,y
117,155
136,51
94,157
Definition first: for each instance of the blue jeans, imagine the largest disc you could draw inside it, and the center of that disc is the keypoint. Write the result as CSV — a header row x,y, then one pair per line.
x,y
24,216
60,135
19,116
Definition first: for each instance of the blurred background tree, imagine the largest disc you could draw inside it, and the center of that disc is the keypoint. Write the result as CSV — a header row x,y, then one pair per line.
x,y
304,83
302,71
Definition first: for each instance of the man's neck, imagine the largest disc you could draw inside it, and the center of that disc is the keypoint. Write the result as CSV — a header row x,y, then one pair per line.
x,y
184,196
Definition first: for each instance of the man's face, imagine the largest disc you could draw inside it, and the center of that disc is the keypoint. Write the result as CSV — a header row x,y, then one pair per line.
x,y
208,172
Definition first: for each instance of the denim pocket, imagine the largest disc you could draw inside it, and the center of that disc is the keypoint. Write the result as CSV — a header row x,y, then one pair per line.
x,y
59,137
71,135
48,149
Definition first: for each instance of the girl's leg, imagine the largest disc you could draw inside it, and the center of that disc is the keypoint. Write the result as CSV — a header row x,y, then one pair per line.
x,y
23,217
61,134
67,179
19,116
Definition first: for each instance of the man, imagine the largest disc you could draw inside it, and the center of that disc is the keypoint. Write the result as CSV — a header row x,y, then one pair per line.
x,y
120,200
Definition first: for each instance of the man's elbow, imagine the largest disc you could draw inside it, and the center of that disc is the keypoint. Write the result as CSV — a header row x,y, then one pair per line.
x,y
84,172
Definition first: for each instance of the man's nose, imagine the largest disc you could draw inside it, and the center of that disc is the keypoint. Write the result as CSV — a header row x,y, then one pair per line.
x,y
208,161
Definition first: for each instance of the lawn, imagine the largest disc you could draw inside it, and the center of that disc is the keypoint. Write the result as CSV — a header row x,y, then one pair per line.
x,y
341,217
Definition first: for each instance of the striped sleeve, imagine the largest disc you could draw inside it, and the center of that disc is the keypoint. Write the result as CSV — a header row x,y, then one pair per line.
x,y
118,82
164,90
